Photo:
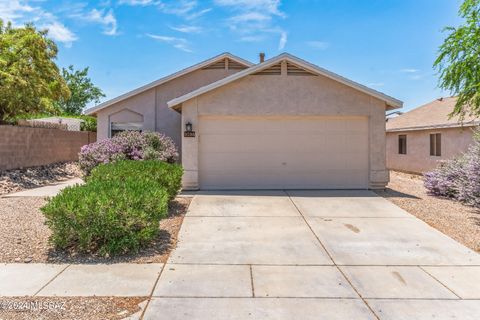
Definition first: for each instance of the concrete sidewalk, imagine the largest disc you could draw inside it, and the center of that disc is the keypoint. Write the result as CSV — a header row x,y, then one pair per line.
x,y
45,191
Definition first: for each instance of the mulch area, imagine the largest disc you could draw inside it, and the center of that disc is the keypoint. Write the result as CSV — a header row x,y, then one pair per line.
x,y
454,219
78,308
24,236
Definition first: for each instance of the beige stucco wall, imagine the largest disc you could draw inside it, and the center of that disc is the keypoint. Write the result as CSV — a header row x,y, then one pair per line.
x,y
23,147
152,104
277,95
418,158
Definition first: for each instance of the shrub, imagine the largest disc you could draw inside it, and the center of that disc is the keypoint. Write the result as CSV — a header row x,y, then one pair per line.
x,y
109,217
128,145
166,175
458,178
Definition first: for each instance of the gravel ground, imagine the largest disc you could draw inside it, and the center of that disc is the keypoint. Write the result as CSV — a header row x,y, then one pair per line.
x,y
458,221
78,308
20,179
24,237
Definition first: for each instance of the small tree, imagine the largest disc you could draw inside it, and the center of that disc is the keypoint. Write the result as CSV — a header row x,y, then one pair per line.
x,y
29,78
458,61
82,90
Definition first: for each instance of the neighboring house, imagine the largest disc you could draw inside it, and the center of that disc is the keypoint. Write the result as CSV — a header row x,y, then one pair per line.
x,y
418,139
72,124
283,123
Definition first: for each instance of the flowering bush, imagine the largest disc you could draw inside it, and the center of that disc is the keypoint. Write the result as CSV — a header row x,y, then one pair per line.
x,y
458,178
128,145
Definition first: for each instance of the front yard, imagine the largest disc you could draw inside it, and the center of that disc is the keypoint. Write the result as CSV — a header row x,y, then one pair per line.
x,y
458,221
24,235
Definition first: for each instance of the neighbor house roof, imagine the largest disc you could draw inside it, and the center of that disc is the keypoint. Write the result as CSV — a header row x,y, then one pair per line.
x,y
429,116
391,102
160,81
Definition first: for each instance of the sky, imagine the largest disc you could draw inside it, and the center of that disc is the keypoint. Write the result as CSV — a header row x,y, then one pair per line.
x,y
388,45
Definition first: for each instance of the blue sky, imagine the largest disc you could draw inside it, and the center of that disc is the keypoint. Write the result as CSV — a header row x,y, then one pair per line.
x,y
388,45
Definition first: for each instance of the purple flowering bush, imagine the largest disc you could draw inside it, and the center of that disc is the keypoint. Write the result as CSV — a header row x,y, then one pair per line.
x,y
458,178
128,145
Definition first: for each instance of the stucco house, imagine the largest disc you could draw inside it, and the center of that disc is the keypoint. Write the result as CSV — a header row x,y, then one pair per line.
x,y
418,139
282,123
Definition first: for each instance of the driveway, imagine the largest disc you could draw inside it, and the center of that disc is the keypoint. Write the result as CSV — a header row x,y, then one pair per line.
x,y
313,255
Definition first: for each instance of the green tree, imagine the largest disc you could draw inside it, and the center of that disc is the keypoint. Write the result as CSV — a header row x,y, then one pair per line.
x,y
30,81
82,91
458,61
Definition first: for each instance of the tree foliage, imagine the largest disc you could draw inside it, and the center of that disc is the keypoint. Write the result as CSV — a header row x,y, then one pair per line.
x,y
458,61
82,90
30,81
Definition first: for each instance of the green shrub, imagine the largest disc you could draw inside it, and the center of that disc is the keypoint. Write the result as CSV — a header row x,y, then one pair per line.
x,y
107,216
166,175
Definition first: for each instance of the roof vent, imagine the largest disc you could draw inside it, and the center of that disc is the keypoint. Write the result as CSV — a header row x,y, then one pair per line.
x,y
261,56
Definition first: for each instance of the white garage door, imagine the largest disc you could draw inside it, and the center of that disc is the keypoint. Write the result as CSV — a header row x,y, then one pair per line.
x,y
283,153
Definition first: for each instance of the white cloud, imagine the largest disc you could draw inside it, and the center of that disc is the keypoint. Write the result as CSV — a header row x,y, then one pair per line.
x,y
60,33
187,9
255,20
105,18
19,12
264,6
321,45
12,10
187,29
409,70
178,43
142,3
250,17
283,40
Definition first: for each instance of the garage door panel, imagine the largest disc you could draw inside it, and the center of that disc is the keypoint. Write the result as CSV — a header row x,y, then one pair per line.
x,y
283,153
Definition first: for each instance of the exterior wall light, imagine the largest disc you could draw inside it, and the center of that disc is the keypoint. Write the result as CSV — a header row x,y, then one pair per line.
x,y
188,127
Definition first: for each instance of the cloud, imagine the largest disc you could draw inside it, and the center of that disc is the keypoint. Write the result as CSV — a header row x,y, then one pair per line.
x,y
187,29
254,20
60,33
187,9
321,45
142,3
409,70
105,18
266,6
19,12
178,43
283,41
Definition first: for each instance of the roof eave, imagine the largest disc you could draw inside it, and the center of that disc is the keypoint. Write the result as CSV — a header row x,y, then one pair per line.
x,y
436,126
92,111
391,102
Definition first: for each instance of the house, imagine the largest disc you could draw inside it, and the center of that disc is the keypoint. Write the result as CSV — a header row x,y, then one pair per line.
x,y
418,139
70,124
282,123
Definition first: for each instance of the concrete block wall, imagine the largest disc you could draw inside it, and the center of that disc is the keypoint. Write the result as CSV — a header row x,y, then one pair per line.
x,y
22,147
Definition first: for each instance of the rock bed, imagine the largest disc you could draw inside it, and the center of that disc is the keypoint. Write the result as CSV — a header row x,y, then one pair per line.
x,y
27,178
460,222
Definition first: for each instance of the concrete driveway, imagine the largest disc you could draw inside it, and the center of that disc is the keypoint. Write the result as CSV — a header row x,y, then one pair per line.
x,y
313,255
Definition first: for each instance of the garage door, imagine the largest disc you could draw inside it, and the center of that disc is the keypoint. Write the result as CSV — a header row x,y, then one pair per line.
x,y
283,153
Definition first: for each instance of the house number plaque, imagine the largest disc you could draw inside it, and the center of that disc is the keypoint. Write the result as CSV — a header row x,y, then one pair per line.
x,y
189,134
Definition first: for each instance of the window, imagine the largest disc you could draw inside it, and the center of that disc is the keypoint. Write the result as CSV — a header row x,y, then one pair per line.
x,y
436,144
117,127
402,144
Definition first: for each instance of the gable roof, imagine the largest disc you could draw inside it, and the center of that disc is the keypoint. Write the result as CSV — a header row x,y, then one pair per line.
x,y
390,101
432,115
160,81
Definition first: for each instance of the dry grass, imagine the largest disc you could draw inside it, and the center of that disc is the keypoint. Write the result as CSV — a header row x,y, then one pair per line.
x,y
458,221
